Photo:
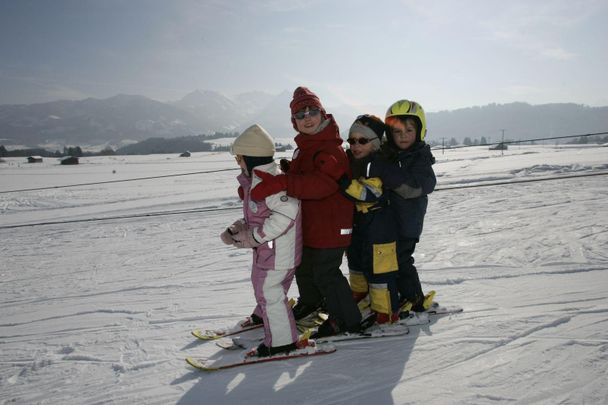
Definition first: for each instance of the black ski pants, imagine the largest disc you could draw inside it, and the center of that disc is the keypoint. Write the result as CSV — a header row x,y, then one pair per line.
x,y
408,282
319,279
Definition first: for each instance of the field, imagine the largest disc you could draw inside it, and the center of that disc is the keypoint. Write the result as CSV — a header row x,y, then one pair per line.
x,y
102,283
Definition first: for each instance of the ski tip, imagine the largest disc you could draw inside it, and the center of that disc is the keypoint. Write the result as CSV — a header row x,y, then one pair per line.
x,y
203,336
197,364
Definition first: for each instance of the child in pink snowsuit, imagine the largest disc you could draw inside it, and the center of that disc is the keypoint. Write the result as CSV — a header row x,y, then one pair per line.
x,y
272,228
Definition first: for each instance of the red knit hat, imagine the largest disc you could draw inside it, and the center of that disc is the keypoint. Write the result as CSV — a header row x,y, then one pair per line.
x,y
302,98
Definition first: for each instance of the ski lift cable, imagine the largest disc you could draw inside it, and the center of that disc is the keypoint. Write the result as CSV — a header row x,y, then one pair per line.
x,y
233,169
219,209
507,182
117,181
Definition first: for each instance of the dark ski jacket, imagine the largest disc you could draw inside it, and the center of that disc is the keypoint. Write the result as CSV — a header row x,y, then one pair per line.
x,y
373,250
409,176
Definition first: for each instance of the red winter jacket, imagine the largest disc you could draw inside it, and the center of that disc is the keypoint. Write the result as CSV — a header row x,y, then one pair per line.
x,y
327,216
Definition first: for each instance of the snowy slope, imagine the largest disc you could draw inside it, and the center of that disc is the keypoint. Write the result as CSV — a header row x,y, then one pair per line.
x,y
100,311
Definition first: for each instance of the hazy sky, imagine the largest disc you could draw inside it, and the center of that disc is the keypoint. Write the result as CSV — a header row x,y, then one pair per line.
x,y
445,54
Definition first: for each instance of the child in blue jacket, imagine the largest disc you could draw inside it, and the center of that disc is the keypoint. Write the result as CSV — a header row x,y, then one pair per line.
x,y
406,169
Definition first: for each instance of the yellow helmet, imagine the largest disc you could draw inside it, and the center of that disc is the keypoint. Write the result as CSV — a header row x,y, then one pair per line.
x,y
411,109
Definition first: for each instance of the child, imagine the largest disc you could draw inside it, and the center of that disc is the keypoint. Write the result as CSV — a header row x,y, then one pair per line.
x,y
410,177
272,228
327,215
372,255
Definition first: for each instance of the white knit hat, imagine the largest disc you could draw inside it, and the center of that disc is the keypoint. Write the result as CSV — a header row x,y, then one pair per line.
x,y
254,141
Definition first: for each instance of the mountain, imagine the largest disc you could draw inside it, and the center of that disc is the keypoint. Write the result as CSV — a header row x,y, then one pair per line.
x,y
93,121
253,102
519,120
131,117
274,117
211,110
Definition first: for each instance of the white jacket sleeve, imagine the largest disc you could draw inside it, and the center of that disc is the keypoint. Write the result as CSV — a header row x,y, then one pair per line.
x,y
284,211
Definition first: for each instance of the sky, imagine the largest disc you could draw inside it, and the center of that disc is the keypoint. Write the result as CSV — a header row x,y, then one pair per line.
x,y
441,53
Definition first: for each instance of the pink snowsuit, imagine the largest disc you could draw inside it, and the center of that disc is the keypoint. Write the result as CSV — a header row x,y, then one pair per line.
x,y
276,223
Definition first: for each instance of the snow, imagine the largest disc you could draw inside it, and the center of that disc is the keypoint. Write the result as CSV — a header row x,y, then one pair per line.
x,y
100,311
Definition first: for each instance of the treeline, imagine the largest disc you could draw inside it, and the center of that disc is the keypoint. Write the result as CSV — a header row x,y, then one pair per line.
x,y
596,139
580,140
196,143
152,146
67,151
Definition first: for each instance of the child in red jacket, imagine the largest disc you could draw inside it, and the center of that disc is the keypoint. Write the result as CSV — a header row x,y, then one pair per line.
x,y
327,216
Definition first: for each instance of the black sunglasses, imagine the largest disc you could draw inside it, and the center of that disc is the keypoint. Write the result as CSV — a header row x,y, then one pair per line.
x,y
360,141
300,115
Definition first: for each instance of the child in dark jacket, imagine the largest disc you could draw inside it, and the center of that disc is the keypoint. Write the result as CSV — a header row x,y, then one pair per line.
x,y
372,255
327,215
409,175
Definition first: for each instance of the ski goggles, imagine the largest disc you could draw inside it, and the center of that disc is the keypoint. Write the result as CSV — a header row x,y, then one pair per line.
x,y
300,115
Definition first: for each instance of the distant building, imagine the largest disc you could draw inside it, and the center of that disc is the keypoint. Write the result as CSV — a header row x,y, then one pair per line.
x,y
34,159
185,154
69,160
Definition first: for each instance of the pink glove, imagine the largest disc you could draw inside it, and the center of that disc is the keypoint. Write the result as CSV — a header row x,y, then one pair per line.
x,y
238,226
226,237
245,239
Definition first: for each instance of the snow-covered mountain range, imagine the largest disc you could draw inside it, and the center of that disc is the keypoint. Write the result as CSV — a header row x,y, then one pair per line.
x,y
123,118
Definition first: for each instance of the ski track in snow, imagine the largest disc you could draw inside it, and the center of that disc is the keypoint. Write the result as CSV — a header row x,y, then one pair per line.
x,y
101,312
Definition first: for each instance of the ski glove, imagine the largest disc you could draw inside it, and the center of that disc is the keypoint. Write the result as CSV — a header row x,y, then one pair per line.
x,y
268,186
245,239
284,165
238,226
226,237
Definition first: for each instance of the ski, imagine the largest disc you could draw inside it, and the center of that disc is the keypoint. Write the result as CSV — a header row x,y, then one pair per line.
x,y
438,309
434,309
238,343
430,306
213,334
241,342
311,349
246,326
373,332
241,327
